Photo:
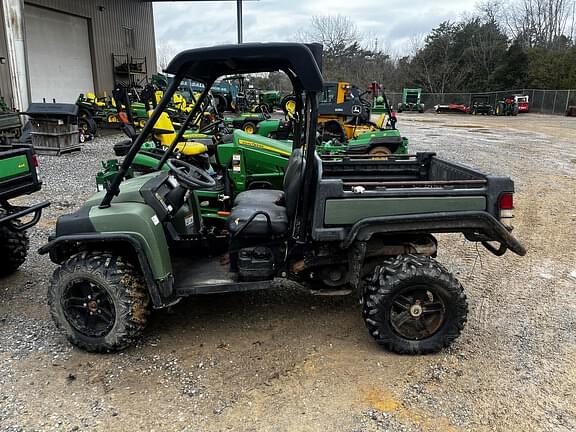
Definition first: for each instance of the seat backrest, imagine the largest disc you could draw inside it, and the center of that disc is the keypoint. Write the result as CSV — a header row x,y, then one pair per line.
x,y
293,181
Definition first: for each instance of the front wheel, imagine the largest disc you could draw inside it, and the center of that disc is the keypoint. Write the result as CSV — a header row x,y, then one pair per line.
x,y
413,305
13,249
99,301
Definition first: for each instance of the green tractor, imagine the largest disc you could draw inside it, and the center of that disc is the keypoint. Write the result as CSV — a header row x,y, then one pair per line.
x,y
506,106
411,100
337,224
345,124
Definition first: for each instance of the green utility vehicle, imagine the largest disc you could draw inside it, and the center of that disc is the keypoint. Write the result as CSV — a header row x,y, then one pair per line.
x,y
248,122
339,224
19,176
411,100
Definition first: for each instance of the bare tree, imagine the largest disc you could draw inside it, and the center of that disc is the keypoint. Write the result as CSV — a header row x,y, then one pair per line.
x,y
164,54
539,23
334,32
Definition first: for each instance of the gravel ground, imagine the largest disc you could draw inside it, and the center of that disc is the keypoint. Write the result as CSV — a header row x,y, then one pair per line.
x,y
285,360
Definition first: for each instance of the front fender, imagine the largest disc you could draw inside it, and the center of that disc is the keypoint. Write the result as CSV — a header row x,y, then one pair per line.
x,y
139,221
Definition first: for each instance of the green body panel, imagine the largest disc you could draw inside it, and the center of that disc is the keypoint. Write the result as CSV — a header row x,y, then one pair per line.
x,y
266,127
139,110
348,211
270,97
365,140
252,158
129,191
137,220
13,167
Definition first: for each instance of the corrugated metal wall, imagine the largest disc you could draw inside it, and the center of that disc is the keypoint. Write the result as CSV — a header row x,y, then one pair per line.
x,y
107,20
5,84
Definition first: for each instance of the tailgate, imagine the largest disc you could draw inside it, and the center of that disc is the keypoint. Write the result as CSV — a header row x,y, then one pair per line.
x,y
18,175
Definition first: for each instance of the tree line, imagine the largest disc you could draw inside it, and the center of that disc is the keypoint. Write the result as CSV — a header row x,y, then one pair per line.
x,y
504,44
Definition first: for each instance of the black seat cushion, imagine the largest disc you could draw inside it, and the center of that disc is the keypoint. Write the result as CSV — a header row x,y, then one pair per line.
x,y
260,196
259,225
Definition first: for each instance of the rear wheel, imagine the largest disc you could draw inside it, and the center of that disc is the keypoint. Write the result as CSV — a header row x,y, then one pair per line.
x,y
86,123
413,305
380,151
13,249
99,300
288,104
249,127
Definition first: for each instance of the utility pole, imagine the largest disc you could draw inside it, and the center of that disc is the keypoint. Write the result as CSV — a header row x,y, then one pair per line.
x,y
239,20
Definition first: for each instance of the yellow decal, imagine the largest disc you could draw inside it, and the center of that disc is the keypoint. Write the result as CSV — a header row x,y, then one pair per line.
x,y
21,165
262,147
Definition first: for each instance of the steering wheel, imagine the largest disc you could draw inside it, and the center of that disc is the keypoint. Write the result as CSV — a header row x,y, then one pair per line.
x,y
189,175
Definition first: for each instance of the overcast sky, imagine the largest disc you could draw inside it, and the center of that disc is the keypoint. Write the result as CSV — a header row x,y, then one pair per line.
x,y
189,24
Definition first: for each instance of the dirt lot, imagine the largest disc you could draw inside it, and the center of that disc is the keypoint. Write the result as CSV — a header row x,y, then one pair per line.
x,y
283,360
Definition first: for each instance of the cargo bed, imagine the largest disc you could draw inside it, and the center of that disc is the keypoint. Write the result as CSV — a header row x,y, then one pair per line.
x,y
361,195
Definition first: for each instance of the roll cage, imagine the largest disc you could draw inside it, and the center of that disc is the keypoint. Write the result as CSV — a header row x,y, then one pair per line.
x,y
300,62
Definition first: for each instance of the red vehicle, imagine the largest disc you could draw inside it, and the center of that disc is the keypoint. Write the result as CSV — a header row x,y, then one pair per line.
x,y
523,103
452,108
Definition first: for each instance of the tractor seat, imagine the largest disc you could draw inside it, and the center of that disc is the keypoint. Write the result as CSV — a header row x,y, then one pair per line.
x,y
259,225
260,196
280,206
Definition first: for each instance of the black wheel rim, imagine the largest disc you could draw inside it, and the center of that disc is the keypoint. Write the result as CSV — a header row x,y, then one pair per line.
x,y
417,313
88,308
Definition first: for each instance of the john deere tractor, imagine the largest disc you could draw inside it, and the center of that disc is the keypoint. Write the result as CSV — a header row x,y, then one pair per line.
x,y
411,100
346,125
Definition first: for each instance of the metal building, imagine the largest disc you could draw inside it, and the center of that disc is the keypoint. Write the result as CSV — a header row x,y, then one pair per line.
x,y
56,49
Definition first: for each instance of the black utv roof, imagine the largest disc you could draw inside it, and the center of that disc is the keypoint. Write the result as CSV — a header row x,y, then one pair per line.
x,y
301,62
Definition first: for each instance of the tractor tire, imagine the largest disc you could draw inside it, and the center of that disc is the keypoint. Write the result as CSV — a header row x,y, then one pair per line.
x,y
380,151
87,125
99,301
413,305
288,104
249,127
13,249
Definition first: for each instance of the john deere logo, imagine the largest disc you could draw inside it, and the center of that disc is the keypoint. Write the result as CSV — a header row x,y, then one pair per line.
x,y
356,109
21,165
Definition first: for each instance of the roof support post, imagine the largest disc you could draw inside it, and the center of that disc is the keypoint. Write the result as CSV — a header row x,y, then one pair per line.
x,y
239,19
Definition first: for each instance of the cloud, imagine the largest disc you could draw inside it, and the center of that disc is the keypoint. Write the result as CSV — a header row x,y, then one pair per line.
x,y
184,25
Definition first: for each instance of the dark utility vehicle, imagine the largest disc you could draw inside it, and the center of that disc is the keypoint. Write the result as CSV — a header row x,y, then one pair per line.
x,y
19,176
341,223
480,104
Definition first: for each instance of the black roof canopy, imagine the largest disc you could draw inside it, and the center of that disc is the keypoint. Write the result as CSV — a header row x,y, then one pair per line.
x,y
299,61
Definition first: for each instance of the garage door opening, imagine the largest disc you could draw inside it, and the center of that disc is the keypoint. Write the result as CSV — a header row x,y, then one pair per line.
x,y
58,55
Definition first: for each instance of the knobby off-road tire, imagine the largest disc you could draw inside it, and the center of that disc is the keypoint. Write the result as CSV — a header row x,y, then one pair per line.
x,y
99,301
422,295
13,249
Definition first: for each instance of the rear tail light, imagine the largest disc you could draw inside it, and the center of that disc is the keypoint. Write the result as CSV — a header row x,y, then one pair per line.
x,y
36,165
506,205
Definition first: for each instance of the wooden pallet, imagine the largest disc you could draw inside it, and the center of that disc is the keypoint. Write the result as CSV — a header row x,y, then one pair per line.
x,y
55,151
